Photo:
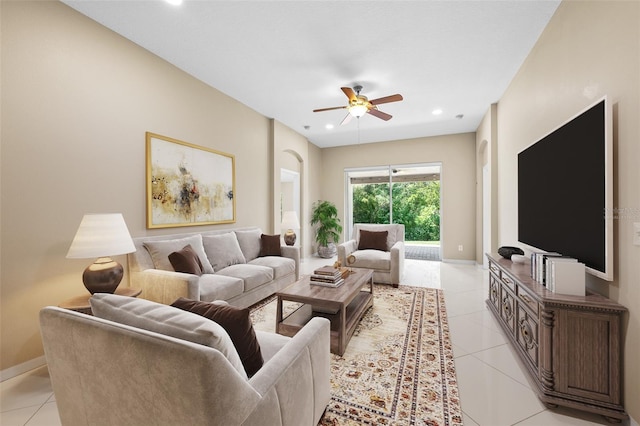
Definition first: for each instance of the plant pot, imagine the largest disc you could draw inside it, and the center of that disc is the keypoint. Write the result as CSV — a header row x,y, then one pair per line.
x,y
328,251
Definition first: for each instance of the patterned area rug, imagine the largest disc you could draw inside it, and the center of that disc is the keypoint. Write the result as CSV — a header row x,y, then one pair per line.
x,y
398,368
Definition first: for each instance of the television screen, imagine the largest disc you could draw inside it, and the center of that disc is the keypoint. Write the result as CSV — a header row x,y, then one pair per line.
x,y
565,191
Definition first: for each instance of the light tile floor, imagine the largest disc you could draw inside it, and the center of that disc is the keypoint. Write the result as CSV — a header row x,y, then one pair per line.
x,y
494,389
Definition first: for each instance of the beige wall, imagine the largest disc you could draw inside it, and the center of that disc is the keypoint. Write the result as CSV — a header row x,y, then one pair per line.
x,y
314,190
487,154
458,185
77,100
293,153
589,49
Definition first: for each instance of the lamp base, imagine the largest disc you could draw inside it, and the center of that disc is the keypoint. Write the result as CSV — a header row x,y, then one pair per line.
x,y
103,276
290,237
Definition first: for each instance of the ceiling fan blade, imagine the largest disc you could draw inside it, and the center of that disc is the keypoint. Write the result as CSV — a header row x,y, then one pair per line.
x,y
350,93
383,115
346,119
385,100
328,109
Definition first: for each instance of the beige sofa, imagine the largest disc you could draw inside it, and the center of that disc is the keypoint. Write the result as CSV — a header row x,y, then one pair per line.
x,y
105,372
387,262
234,271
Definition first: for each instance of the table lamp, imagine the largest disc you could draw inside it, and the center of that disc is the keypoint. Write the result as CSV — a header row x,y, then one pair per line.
x,y
290,222
100,236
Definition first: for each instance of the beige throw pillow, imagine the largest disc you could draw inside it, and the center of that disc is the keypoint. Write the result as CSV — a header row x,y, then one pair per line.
x,y
160,251
249,241
223,250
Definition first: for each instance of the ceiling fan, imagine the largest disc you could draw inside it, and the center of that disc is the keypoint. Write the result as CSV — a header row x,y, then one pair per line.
x,y
359,105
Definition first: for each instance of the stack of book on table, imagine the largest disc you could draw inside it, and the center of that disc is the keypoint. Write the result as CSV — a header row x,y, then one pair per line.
x,y
327,276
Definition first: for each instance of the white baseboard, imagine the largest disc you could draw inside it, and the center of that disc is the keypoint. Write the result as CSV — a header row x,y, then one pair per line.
x,y
461,261
19,369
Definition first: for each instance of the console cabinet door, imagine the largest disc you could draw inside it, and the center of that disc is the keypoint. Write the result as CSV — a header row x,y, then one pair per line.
x,y
494,291
586,355
527,335
508,309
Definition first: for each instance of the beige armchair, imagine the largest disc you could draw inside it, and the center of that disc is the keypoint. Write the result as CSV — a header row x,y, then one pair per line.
x,y
385,258
108,373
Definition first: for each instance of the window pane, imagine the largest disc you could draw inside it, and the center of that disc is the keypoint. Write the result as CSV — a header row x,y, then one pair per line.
x,y
414,200
417,206
371,203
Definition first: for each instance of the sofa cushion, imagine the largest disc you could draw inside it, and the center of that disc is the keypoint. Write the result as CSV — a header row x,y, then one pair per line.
x,y
166,320
219,287
372,240
372,259
281,266
160,251
252,275
222,250
249,241
237,324
186,260
270,245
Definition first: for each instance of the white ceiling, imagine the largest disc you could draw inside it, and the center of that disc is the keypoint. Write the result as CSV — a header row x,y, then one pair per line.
x,y
285,58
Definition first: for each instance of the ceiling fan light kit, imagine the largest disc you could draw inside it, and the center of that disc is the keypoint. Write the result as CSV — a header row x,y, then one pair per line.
x,y
360,105
358,110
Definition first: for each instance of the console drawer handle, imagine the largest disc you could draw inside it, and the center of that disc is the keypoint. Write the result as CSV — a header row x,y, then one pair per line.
x,y
525,298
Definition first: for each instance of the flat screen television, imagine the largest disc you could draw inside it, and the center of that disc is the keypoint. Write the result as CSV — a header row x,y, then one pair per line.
x,y
565,190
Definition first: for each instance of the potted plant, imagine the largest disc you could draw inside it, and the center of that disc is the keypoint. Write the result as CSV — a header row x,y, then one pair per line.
x,y
325,218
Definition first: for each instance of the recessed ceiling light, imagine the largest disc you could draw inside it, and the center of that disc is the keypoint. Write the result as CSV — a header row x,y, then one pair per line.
x,y
437,111
459,116
174,2
329,126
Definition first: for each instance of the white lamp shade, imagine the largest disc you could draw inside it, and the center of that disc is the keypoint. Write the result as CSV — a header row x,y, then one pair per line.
x,y
358,110
101,235
290,220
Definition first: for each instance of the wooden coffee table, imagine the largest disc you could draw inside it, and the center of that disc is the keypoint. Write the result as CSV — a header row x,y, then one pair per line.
x,y
344,306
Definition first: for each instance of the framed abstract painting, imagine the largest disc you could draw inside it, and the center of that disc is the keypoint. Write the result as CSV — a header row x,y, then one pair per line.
x,y
188,184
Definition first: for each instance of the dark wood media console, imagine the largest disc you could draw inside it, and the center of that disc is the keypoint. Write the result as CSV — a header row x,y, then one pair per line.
x,y
571,346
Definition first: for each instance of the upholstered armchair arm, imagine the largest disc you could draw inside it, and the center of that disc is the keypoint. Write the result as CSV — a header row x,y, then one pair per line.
x,y
397,262
166,286
295,382
345,249
292,252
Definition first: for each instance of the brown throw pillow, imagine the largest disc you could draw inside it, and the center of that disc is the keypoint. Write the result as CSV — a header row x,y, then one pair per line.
x,y
373,240
236,323
186,260
270,245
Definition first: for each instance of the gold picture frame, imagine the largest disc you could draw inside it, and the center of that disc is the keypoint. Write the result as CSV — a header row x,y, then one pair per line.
x,y
188,185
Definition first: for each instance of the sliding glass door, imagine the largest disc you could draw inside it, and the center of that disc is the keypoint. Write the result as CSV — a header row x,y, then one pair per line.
x,y
407,194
